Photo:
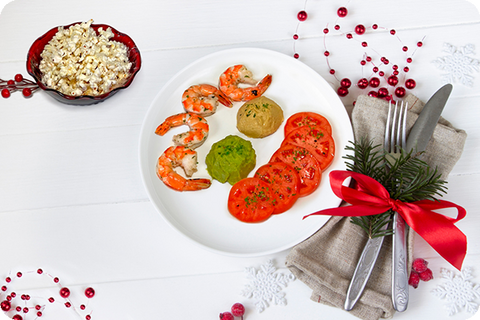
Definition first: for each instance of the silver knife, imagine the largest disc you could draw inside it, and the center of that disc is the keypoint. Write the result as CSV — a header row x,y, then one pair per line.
x,y
417,141
418,138
364,268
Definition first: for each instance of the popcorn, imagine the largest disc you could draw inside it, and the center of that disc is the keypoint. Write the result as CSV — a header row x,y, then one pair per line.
x,y
77,61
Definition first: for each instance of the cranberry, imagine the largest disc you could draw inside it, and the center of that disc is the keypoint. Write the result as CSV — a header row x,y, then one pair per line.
x,y
226,316
18,78
238,310
27,92
5,93
414,279
427,275
419,265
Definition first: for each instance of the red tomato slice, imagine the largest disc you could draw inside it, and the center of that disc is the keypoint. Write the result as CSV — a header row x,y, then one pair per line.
x,y
319,143
250,200
309,119
284,182
304,163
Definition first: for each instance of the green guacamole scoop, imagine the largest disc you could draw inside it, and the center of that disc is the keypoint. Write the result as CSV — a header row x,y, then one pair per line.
x,y
230,159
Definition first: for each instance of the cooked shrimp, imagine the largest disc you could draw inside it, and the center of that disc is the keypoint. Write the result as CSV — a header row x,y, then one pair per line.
x,y
180,157
203,99
191,139
233,76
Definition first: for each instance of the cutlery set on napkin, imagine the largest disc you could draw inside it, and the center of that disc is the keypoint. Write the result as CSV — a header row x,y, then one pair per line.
x,y
332,261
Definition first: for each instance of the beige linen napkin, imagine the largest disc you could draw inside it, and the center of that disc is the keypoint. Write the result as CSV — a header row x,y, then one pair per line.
x,y
326,261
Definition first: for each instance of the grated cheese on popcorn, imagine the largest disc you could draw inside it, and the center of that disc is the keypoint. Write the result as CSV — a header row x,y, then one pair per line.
x,y
78,62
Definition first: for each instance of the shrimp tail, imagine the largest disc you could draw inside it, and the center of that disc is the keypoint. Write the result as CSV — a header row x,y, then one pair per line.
x,y
196,184
263,85
224,100
162,129
265,82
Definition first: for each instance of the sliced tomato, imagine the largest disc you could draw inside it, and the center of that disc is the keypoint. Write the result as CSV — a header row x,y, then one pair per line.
x,y
308,119
250,200
304,163
284,182
318,142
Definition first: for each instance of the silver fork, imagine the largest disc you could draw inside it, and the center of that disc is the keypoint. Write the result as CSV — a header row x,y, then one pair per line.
x,y
395,140
395,137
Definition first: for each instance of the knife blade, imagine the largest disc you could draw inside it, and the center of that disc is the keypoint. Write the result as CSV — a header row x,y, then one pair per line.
x,y
362,272
427,120
417,141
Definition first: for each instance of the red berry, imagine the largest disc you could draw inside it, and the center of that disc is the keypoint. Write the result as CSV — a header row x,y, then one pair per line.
x,y
238,310
18,77
89,292
64,292
382,92
5,93
362,83
414,279
427,275
226,316
342,12
302,16
419,265
345,82
374,82
342,91
5,305
27,92
410,83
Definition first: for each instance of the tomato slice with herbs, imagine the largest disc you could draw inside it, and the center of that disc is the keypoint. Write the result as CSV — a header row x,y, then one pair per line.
x,y
304,163
308,119
319,143
284,182
250,200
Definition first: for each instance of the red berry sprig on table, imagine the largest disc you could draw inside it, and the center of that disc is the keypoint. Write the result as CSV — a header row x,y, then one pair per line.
x,y
19,83
384,79
238,310
34,307
420,271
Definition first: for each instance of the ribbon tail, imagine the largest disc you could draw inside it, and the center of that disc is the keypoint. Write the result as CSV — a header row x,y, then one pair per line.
x,y
438,230
451,244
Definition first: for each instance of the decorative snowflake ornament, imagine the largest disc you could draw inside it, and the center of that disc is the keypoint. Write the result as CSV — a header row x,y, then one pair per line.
x,y
266,285
458,64
458,291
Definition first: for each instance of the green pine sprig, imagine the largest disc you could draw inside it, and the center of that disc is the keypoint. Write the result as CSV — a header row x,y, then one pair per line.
x,y
407,178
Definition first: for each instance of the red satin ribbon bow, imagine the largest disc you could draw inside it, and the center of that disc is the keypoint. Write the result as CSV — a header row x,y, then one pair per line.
x,y
369,197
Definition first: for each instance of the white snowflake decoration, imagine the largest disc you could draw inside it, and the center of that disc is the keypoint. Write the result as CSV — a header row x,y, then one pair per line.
x,y
458,65
266,285
458,291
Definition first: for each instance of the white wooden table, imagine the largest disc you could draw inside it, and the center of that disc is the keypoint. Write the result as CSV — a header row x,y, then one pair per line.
x,y
71,198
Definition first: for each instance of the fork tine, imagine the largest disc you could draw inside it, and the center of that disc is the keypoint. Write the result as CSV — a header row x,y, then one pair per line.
x,y
399,127
386,143
393,143
404,125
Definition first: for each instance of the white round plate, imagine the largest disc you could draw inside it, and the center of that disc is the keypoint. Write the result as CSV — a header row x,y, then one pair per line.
x,y
202,215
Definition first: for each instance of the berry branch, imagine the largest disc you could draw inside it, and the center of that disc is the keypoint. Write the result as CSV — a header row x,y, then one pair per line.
x,y
387,80
27,87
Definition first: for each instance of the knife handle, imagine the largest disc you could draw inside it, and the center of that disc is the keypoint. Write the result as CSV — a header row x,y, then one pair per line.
x,y
399,265
364,268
